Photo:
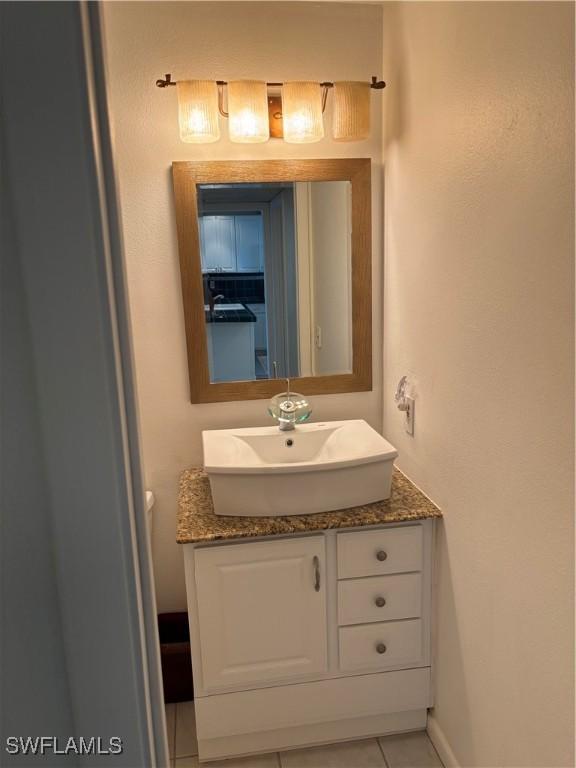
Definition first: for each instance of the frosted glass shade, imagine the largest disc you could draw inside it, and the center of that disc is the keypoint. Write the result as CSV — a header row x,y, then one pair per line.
x,y
351,115
248,111
302,112
198,111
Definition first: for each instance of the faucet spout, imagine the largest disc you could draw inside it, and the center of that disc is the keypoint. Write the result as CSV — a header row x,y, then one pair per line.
x,y
213,299
288,408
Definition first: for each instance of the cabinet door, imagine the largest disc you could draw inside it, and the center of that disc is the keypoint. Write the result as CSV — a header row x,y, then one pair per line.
x,y
249,243
218,243
261,611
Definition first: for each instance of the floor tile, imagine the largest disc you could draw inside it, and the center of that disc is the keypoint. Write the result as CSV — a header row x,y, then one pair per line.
x,y
350,754
186,742
254,761
410,750
171,726
187,762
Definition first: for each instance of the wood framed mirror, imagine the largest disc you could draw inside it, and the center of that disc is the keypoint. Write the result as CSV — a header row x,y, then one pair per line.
x,y
275,262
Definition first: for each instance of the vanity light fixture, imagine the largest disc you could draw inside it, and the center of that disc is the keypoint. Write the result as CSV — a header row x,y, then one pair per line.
x,y
303,104
198,111
248,111
351,118
302,107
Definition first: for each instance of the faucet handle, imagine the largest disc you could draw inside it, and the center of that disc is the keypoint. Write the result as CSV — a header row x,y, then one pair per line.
x,y
289,408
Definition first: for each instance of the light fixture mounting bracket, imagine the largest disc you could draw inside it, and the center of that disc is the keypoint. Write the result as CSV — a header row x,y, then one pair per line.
x,y
167,80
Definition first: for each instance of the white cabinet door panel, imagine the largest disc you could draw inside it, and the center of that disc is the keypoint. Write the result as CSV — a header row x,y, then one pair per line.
x,y
260,615
249,243
218,243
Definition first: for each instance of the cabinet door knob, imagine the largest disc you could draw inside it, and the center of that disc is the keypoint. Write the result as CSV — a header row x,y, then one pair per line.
x,y
381,648
380,601
381,555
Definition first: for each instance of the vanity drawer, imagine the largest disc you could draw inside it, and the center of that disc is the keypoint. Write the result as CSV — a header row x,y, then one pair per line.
x,y
380,598
383,645
371,553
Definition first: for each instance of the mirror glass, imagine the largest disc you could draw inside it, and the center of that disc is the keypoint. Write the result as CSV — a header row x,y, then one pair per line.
x,y
276,270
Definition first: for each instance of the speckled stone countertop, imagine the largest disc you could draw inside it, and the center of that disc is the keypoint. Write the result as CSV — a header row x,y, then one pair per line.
x,y
198,523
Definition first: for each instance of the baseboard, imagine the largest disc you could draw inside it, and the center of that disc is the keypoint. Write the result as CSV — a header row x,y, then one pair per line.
x,y
441,745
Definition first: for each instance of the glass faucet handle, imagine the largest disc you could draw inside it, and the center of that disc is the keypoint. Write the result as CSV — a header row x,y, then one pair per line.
x,y
290,406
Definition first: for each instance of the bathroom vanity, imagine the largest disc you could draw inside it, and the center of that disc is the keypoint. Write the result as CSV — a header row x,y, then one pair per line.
x,y
307,629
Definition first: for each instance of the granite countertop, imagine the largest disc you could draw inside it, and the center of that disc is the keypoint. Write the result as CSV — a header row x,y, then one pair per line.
x,y
198,523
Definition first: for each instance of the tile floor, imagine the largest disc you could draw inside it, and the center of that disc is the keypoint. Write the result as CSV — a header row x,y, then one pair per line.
x,y
411,750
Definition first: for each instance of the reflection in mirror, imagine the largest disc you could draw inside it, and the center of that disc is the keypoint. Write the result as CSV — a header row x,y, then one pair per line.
x,y
276,268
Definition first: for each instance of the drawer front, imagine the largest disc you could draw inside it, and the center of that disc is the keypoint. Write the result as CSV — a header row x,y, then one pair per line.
x,y
380,646
380,598
372,553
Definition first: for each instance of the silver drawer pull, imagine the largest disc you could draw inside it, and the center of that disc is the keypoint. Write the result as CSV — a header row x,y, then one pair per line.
x,y
316,563
380,601
381,555
381,648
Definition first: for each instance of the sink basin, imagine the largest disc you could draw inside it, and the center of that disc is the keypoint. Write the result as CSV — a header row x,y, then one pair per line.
x,y
225,307
261,471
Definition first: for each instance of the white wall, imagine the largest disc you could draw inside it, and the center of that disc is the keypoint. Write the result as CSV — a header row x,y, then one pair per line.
x,y
276,41
331,261
478,310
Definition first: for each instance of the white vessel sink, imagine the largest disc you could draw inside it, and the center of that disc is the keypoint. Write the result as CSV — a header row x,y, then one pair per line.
x,y
261,471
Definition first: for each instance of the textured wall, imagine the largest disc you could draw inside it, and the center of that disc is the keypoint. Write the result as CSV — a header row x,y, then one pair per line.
x,y
217,41
479,310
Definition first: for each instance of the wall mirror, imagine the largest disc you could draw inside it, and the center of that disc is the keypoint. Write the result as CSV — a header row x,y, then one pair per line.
x,y
275,260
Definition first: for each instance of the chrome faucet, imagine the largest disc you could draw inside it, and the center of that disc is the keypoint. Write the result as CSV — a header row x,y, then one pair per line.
x,y
288,408
213,299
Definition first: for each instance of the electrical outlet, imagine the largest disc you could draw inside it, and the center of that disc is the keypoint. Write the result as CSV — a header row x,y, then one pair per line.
x,y
409,416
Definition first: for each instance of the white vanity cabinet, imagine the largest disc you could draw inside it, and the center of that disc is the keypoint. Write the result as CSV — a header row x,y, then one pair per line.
x,y
310,638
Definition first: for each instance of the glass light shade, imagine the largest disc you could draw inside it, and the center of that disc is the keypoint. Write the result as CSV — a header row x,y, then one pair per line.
x,y
302,112
248,111
198,111
351,115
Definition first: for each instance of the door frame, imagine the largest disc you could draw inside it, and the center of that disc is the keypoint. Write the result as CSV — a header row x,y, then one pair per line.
x,y
61,185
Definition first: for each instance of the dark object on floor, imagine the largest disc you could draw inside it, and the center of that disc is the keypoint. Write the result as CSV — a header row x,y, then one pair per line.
x,y
175,654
